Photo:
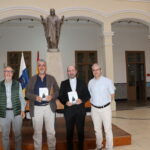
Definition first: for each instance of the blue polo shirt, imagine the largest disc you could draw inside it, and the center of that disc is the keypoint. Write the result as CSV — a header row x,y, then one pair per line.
x,y
40,84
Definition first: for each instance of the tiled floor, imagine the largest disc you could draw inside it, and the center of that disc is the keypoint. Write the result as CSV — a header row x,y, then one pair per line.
x,y
137,123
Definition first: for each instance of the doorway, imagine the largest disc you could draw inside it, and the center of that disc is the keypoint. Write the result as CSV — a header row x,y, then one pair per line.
x,y
84,60
14,59
135,66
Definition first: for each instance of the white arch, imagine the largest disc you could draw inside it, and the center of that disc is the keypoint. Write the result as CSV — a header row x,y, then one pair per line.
x,y
10,12
95,14
131,14
102,17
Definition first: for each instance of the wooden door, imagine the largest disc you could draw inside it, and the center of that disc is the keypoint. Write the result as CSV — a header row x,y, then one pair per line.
x,y
135,64
84,61
14,59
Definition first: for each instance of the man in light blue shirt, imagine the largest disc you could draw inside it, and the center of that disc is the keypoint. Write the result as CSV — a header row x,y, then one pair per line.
x,y
102,93
12,106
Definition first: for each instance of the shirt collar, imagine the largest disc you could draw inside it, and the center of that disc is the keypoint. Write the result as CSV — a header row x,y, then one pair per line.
x,y
72,79
39,78
10,82
98,78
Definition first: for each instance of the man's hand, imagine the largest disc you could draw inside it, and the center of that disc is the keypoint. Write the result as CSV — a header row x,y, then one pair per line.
x,y
49,98
69,103
38,98
78,101
23,114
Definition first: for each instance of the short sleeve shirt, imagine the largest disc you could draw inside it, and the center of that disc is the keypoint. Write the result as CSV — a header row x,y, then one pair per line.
x,y
101,90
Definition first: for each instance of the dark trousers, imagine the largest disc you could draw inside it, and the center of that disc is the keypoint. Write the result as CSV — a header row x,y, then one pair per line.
x,y
75,116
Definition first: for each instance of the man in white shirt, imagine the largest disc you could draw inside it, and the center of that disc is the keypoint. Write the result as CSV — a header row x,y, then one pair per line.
x,y
102,93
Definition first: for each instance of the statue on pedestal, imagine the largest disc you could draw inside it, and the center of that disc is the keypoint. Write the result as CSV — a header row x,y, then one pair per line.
x,y
52,27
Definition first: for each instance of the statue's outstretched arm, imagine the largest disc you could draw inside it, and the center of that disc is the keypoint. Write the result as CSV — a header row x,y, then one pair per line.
x,y
42,19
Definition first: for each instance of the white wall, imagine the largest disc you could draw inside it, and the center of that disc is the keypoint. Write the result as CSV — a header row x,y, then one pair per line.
x,y
21,38
74,36
79,37
129,37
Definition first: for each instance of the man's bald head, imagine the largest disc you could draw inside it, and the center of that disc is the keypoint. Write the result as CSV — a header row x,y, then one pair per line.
x,y
71,71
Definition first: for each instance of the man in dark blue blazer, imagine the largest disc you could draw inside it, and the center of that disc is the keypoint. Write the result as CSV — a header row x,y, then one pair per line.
x,y
73,94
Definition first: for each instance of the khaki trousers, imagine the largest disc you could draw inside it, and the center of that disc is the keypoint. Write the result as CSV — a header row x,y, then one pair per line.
x,y
99,117
5,123
44,114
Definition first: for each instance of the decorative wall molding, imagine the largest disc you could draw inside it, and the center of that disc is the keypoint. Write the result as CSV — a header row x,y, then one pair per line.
x,y
102,13
105,14
140,0
21,8
121,91
108,44
108,34
95,13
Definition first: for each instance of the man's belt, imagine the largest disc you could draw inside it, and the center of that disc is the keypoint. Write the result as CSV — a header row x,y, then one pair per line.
x,y
9,108
45,104
101,106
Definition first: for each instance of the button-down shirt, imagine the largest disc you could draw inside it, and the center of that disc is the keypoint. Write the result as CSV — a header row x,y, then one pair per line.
x,y
73,83
8,95
101,90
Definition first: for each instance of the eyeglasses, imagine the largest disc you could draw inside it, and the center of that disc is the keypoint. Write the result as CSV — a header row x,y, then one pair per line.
x,y
8,71
96,69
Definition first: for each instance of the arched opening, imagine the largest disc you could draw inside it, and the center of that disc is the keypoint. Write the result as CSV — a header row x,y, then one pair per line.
x,y
81,44
79,33
21,33
131,50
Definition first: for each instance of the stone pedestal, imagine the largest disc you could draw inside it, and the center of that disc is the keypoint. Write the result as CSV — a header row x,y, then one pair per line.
x,y
54,64
53,50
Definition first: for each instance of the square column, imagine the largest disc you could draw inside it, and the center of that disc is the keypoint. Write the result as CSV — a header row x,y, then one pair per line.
x,y
108,53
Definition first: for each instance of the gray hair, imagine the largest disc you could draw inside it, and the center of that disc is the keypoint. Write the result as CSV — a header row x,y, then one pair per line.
x,y
72,66
96,64
42,60
9,67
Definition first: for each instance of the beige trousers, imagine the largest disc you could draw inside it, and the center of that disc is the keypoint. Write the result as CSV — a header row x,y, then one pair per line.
x,y
99,117
44,114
